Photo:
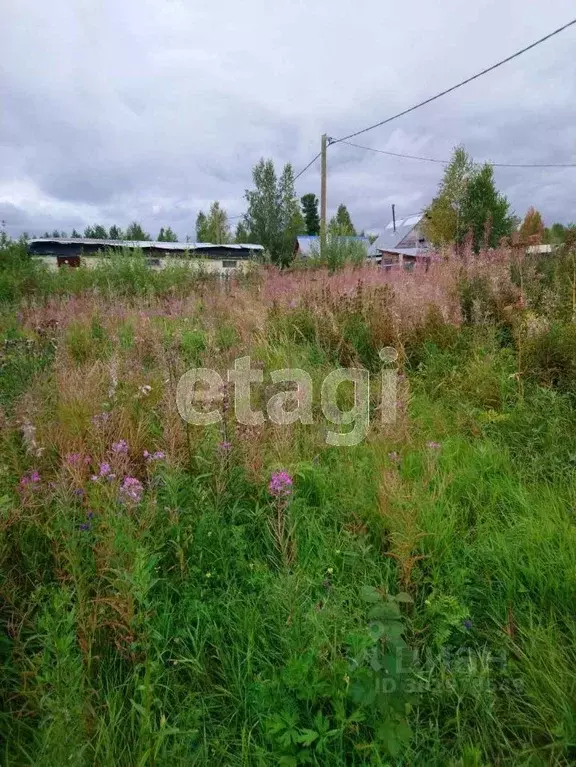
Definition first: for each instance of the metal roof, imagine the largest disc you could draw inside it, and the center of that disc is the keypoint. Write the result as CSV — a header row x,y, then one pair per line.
x,y
390,239
310,244
144,244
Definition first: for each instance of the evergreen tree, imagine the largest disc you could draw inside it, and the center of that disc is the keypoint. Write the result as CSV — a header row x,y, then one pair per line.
x,y
311,215
485,212
166,235
341,224
115,233
135,232
75,235
100,232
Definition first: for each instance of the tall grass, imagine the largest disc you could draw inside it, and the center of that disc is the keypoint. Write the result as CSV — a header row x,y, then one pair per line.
x,y
406,601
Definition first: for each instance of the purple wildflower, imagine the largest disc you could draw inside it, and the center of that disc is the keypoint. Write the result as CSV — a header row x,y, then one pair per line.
x,y
73,459
157,456
29,479
467,624
100,419
131,490
280,484
224,446
85,526
120,447
433,445
105,469
89,515
79,492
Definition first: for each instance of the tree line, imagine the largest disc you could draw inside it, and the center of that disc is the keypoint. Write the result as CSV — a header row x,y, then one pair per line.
x,y
132,232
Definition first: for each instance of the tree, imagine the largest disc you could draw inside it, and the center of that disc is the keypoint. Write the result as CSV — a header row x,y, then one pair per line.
x,y
115,233
166,235
96,232
242,235
485,212
291,219
341,224
555,235
135,232
201,227
310,212
213,227
75,235
273,218
532,228
442,223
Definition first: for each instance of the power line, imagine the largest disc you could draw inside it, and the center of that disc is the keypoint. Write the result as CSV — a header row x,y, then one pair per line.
x,y
460,84
312,161
447,162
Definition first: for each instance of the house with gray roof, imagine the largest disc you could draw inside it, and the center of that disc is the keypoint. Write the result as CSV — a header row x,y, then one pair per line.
x,y
402,241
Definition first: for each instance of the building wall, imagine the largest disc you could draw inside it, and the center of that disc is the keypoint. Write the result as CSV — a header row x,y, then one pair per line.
x,y
209,265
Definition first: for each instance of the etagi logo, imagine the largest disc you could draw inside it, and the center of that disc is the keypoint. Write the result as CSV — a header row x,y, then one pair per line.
x,y
204,387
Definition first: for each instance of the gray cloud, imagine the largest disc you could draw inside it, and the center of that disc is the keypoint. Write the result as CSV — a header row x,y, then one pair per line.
x,y
115,111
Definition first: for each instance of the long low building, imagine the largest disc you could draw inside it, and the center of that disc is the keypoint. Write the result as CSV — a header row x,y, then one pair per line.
x,y
73,252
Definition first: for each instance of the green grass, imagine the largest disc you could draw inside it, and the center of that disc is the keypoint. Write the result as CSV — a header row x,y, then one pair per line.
x,y
410,602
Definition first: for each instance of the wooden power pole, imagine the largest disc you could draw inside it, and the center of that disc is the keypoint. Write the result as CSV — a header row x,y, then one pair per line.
x,y
323,196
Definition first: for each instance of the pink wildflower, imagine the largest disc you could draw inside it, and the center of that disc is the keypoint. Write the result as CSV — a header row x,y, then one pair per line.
x,y
131,490
73,459
120,447
434,445
280,484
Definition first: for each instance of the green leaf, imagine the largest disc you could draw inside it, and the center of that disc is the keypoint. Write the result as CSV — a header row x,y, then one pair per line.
x,y
370,594
385,612
307,737
404,597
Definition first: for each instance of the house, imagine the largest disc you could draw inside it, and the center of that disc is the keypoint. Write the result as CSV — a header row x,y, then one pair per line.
x,y
309,245
401,242
56,252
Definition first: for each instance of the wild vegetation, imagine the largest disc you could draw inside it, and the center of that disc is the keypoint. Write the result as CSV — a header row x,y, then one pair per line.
x,y
178,595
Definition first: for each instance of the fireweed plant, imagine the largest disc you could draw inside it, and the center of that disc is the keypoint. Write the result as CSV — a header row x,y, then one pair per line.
x,y
247,593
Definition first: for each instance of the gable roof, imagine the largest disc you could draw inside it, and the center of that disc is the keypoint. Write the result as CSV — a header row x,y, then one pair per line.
x,y
392,240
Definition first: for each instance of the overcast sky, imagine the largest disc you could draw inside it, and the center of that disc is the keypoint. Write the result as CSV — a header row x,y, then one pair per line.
x,y
150,109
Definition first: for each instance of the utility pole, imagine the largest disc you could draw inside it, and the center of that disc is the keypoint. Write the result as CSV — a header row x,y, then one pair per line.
x,y
323,196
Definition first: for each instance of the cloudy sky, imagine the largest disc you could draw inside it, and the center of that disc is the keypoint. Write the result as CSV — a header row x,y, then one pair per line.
x,y
150,109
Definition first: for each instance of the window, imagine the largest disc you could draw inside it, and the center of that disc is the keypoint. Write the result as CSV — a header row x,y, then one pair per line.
x,y
229,263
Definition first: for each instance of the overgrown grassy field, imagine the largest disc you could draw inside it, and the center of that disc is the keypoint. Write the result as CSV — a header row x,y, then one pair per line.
x,y
234,595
